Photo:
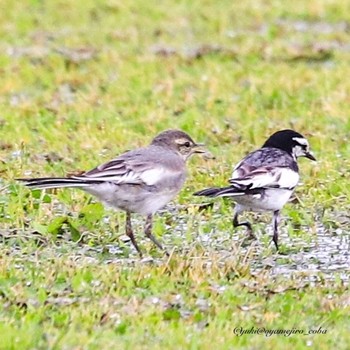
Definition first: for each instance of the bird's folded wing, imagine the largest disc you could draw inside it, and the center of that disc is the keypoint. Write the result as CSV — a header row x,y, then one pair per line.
x,y
264,177
128,171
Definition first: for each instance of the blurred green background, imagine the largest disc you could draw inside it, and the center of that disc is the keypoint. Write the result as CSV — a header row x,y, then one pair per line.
x,y
82,81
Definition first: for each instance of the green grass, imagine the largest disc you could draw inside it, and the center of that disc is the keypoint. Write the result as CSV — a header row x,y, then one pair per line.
x,y
230,75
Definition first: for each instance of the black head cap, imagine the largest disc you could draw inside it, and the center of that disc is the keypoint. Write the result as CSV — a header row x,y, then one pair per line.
x,y
290,141
283,139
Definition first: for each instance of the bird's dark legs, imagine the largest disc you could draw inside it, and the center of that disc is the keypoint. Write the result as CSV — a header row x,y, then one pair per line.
x,y
246,224
130,233
276,220
148,233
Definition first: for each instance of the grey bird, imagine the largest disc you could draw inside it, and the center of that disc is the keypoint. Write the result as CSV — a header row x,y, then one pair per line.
x,y
266,178
139,181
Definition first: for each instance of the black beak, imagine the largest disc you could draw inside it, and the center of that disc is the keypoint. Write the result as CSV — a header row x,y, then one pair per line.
x,y
199,148
309,155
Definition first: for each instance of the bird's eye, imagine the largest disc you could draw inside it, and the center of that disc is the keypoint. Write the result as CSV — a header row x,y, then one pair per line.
x,y
187,144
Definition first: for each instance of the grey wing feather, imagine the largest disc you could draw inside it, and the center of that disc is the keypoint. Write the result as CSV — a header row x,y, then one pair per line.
x,y
266,167
142,166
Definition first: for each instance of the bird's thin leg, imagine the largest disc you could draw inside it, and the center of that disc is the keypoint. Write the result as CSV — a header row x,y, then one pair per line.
x,y
245,223
276,220
130,233
148,233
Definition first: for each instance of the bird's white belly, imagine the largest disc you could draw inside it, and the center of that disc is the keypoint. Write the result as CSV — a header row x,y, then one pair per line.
x,y
272,199
154,203
135,199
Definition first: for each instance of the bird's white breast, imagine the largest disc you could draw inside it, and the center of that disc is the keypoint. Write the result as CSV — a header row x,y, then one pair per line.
x,y
272,199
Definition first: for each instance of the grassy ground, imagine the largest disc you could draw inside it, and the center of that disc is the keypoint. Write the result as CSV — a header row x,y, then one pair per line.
x,y
83,81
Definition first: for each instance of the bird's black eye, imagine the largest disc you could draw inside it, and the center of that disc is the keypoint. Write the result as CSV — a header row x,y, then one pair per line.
x,y
187,144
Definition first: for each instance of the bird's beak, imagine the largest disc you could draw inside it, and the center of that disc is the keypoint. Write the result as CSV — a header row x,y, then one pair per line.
x,y
199,148
309,155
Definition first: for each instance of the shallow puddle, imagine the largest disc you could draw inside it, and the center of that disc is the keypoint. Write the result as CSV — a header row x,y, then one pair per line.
x,y
327,253
323,254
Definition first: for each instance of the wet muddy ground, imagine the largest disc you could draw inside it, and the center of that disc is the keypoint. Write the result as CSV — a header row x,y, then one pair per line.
x,y
310,255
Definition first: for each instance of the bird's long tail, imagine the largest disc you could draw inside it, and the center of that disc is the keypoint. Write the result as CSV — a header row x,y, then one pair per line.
x,y
229,191
56,182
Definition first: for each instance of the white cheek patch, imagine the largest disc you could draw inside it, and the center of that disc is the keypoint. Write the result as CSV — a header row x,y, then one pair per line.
x,y
298,151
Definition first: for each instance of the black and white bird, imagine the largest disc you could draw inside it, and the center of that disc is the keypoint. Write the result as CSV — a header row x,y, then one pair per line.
x,y
139,181
266,178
